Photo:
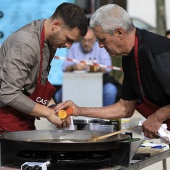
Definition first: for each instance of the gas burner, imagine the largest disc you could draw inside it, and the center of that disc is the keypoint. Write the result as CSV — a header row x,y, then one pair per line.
x,y
64,157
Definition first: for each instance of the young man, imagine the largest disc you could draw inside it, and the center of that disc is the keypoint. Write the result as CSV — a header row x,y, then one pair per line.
x,y
145,62
25,63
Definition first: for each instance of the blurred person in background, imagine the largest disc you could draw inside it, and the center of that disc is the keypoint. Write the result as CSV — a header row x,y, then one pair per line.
x,y
25,59
88,49
146,67
167,34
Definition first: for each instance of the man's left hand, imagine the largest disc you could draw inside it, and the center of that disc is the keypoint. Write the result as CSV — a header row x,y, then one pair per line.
x,y
151,126
65,122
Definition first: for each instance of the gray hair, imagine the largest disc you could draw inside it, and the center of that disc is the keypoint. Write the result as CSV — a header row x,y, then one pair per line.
x,y
111,16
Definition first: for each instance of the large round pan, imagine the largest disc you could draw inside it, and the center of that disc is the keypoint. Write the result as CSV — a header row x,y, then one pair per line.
x,y
60,140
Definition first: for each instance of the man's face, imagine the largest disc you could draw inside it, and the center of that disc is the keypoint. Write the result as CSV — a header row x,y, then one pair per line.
x,y
168,36
63,37
88,41
111,43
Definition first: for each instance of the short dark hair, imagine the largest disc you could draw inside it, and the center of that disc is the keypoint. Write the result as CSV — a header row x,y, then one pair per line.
x,y
167,32
73,17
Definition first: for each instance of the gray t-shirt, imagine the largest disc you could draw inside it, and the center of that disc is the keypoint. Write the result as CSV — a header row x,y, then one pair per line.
x,y
19,66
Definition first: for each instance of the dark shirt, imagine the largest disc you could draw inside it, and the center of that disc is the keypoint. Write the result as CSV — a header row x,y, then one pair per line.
x,y
154,65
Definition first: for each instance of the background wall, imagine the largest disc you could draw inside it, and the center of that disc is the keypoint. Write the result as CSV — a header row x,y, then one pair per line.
x,y
146,10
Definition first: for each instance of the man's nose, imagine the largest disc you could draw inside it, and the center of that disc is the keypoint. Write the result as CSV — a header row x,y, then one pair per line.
x,y
68,45
101,45
86,42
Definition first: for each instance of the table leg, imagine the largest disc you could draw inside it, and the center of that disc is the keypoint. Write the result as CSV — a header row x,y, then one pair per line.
x,y
164,164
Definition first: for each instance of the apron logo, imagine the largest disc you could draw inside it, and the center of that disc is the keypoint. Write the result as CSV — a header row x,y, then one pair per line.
x,y
42,101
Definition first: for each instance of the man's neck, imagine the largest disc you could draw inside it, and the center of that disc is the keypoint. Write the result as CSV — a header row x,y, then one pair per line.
x,y
129,42
47,27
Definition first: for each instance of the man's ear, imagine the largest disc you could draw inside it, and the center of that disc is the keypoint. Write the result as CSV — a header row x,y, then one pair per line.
x,y
56,24
119,32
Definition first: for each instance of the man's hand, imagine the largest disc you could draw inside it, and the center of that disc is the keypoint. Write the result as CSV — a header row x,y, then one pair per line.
x,y
65,122
67,104
48,113
151,126
53,118
80,66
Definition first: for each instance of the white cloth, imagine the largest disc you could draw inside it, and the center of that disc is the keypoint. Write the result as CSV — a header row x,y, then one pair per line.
x,y
162,132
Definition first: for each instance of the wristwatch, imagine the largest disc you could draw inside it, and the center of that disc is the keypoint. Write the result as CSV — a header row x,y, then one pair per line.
x,y
52,106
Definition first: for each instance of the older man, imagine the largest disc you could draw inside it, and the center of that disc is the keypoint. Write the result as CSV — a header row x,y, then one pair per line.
x,y
146,66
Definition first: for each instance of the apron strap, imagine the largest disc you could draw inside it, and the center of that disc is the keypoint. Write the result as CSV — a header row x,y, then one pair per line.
x,y
137,66
41,53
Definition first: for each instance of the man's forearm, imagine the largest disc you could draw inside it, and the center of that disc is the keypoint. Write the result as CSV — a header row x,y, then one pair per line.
x,y
48,113
118,110
23,104
41,111
163,113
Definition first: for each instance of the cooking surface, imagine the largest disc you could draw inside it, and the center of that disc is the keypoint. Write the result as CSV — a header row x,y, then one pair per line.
x,y
74,136
62,140
33,136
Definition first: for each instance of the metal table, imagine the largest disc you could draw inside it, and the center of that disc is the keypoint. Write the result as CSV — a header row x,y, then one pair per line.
x,y
153,159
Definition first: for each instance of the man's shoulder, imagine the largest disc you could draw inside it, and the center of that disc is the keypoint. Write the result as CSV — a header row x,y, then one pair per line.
x,y
154,41
146,36
28,34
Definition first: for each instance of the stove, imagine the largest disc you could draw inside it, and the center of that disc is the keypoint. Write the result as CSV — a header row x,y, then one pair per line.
x,y
72,160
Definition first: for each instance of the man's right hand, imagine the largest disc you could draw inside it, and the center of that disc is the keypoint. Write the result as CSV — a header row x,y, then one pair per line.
x,y
67,104
80,66
48,113
53,118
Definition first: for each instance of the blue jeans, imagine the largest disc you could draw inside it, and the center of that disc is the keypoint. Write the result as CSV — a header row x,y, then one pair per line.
x,y
109,94
58,96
